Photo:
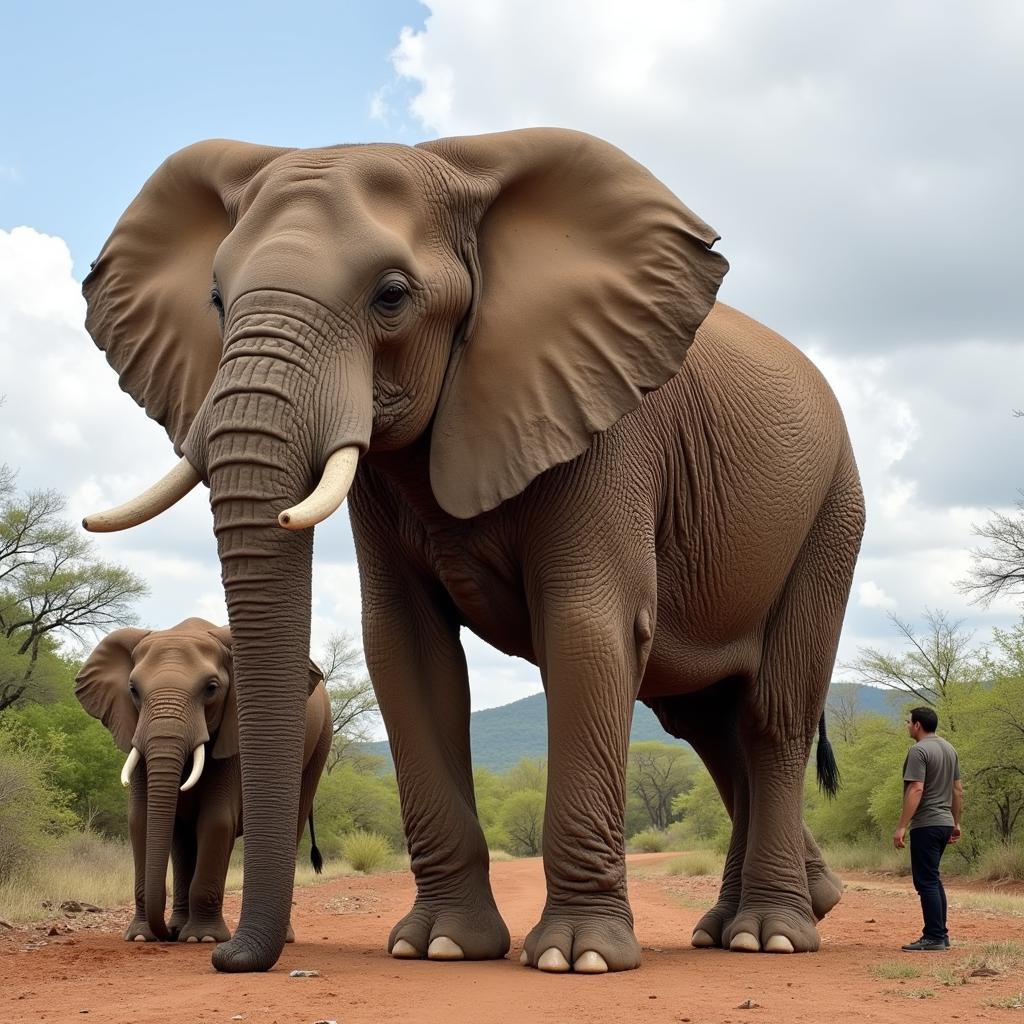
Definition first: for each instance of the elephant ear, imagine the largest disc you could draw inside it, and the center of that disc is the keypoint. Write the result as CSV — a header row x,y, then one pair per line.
x,y
101,685
226,744
148,293
592,281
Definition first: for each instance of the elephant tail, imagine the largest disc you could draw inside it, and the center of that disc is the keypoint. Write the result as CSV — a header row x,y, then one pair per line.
x,y
828,770
315,857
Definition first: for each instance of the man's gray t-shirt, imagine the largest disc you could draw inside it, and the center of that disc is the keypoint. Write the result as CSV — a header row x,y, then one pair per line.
x,y
933,761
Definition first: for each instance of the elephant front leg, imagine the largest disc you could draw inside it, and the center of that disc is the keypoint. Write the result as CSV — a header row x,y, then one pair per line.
x,y
419,674
216,827
183,860
592,665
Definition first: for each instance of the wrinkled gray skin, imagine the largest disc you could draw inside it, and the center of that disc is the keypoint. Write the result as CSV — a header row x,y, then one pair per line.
x,y
165,693
482,318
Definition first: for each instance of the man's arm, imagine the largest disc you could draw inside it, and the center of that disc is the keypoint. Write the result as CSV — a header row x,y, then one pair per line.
x,y
958,806
912,793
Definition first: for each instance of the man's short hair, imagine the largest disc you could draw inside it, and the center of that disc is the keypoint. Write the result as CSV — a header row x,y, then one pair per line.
x,y
926,718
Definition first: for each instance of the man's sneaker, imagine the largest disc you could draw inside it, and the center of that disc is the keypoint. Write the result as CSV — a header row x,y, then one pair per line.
x,y
923,945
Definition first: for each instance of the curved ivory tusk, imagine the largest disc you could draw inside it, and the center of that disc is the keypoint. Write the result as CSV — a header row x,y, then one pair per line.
x,y
198,760
158,498
329,493
129,766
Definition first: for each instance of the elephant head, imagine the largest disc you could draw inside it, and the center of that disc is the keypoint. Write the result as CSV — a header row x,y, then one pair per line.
x,y
165,695
501,298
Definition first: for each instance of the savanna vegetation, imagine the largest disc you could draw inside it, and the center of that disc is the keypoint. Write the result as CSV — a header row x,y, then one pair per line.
x,y
63,824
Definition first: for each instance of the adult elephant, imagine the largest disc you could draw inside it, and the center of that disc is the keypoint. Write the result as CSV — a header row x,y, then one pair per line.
x,y
494,329
168,696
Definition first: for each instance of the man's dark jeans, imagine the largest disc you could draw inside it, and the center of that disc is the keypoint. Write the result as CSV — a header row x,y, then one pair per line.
x,y
927,845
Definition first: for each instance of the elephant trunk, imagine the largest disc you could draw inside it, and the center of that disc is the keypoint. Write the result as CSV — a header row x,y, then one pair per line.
x,y
284,400
164,763
255,472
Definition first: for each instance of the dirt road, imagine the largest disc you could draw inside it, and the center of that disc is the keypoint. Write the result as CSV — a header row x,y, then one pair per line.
x,y
88,974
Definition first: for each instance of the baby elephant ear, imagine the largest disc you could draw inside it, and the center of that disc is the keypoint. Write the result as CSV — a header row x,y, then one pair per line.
x,y
102,684
316,676
591,281
226,742
148,293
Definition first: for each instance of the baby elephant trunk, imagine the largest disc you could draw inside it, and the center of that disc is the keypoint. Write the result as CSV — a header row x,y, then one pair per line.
x,y
164,766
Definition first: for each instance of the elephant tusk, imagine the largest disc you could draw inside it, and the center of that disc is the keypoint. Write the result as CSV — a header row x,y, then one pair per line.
x,y
129,766
329,494
151,502
198,760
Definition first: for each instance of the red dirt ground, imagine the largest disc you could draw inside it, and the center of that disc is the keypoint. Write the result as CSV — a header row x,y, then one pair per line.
x,y
85,972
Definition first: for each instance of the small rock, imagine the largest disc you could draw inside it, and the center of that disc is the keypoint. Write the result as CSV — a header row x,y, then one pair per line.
x,y
984,972
325,1022
304,974
748,1004
870,920
53,930
237,1016
6,924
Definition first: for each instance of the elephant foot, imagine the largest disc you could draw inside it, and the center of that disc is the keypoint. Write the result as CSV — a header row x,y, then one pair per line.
x,y
248,951
584,941
139,931
710,928
825,886
212,929
175,924
758,928
450,930
289,936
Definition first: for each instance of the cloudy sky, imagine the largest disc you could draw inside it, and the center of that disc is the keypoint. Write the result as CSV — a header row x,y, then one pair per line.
x,y
862,162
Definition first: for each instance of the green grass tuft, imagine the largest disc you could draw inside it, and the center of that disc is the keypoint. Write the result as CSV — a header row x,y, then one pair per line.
x,y
366,851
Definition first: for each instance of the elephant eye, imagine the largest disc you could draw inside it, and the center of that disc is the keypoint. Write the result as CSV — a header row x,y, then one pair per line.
x,y
390,298
211,687
218,303
133,689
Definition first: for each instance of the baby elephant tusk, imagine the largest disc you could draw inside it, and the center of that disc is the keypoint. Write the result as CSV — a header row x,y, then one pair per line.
x,y
129,766
198,760
151,502
329,494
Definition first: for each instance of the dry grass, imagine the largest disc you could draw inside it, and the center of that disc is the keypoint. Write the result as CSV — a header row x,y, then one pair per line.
x,y
896,969
92,869
691,865
82,866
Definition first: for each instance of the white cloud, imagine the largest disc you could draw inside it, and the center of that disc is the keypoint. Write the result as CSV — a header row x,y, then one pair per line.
x,y
871,595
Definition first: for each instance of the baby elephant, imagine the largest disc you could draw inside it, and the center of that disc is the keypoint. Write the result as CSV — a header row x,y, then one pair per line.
x,y
168,698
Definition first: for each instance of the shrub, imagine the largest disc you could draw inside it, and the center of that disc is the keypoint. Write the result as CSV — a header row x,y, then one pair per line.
x,y
32,809
651,840
366,851
694,864
1002,862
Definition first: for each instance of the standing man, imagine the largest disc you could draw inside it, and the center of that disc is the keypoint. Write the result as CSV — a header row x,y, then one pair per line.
x,y
932,801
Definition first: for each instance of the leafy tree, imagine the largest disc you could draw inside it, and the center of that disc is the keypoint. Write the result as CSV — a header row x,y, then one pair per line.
x,y
934,665
353,702
522,821
52,587
530,773
998,568
356,796
656,774
701,811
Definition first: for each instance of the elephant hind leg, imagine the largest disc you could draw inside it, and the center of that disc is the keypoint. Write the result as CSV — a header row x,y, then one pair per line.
x,y
779,719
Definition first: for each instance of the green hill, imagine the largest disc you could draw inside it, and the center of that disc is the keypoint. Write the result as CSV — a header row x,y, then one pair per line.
x,y
502,736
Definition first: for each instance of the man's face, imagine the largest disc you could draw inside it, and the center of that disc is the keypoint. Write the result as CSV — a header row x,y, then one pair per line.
x,y
913,729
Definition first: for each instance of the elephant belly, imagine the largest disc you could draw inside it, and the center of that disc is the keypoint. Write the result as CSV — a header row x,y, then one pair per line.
x,y
678,666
